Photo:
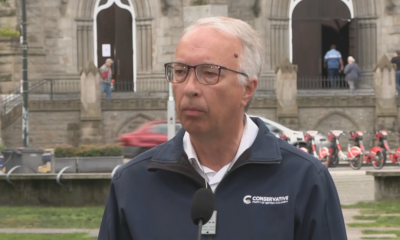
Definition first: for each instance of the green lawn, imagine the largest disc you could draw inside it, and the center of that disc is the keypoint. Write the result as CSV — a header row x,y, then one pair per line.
x,y
368,232
72,236
385,207
376,209
50,217
380,221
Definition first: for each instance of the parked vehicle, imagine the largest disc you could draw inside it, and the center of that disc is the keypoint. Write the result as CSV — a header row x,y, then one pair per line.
x,y
323,153
375,156
287,139
354,153
145,137
294,137
382,142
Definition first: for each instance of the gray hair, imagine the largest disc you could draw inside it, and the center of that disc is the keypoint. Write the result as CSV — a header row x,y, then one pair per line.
x,y
253,52
109,60
351,59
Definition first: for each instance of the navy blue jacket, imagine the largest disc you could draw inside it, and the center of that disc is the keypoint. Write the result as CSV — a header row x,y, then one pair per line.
x,y
273,191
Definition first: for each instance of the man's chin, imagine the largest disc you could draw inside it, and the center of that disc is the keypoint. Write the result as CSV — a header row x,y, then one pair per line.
x,y
193,127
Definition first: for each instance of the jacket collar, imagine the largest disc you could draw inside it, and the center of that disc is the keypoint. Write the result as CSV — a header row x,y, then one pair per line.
x,y
265,148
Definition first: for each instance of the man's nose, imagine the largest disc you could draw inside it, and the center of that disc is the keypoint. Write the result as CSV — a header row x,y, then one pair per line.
x,y
191,84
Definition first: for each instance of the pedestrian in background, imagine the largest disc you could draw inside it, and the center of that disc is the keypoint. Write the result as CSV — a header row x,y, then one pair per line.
x,y
106,76
396,60
334,63
353,73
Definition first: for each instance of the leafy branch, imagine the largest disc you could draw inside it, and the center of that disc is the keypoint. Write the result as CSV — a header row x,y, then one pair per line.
x,y
8,31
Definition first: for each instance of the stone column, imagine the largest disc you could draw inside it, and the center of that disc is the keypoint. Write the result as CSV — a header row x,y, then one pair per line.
x,y
279,40
91,118
144,45
367,43
385,94
286,94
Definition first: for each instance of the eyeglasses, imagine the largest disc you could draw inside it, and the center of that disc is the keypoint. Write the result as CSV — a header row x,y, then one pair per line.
x,y
207,74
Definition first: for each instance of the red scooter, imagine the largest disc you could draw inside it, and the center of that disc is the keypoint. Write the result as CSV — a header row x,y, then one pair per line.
x,y
323,154
375,156
394,157
354,153
285,137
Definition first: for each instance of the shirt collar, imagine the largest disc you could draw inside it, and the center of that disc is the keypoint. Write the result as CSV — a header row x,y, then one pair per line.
x,y
250,132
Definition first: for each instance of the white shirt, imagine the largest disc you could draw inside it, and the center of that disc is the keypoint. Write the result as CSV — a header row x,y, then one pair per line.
x,y
213,178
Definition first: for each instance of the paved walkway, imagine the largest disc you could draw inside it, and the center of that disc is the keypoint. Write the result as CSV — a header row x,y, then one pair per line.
x,y
353,186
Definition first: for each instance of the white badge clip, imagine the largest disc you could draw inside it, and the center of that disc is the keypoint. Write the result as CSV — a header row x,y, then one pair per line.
x,y
210,228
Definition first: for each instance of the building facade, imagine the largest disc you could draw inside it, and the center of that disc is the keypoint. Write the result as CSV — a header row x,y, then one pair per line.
x,y
141,35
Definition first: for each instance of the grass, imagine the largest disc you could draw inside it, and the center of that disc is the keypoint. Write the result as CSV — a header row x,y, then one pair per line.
x,y
377,208
72,236
363,217
380,221
50,217
369,232
384,207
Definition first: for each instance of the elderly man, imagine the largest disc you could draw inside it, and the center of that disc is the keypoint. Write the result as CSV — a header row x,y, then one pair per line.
x,y
106,76
264,188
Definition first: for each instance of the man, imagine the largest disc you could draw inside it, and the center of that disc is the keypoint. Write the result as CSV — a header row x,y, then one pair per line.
x,y
106,76
396,60
333,61
264,188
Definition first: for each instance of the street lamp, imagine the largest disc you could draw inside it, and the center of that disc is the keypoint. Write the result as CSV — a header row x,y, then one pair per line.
x,y
171,113
25,112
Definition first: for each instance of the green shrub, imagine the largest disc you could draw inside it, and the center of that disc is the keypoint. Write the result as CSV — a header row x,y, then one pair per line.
x,y
64,152
2,148
88,151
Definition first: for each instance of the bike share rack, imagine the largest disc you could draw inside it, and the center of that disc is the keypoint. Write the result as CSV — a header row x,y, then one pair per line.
x,y
58,179
114,170
9,174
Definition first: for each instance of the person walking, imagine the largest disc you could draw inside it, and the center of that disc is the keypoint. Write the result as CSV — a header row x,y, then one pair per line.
x,y
334,64
263,187
353,73
106,76
396,60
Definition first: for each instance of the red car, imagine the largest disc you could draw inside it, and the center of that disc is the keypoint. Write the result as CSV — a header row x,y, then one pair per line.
x,y
145,137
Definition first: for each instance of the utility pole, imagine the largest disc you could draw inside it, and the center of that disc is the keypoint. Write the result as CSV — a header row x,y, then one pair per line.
x,y
171,113
25,112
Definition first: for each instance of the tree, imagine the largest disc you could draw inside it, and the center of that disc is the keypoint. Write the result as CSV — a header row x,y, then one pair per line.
x,y
8,31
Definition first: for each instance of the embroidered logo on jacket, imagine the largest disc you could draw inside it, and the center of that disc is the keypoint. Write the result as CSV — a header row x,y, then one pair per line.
x,y
248,199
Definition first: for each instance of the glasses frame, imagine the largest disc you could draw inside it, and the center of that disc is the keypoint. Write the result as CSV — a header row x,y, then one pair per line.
x,y
195,71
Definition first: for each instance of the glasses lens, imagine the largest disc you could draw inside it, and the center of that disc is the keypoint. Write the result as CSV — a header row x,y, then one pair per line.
x,y
208,74
176,72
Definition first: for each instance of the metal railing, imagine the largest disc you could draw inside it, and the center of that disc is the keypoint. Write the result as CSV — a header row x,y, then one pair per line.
x,y
46,89
321,83
336,83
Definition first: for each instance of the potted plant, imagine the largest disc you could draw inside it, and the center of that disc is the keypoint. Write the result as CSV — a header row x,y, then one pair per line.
x,y
65,156
93,158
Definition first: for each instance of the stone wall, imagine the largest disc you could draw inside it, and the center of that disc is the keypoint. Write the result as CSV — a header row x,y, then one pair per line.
x,y
46,192
58,122
45,129
61,32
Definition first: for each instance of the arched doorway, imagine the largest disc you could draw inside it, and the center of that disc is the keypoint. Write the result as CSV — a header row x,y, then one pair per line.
x,y
114,37
316,25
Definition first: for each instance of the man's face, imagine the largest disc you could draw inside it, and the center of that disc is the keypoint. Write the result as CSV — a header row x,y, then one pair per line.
x,y
209,109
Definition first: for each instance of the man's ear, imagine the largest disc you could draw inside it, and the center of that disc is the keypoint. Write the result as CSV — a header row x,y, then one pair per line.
x,y
250,89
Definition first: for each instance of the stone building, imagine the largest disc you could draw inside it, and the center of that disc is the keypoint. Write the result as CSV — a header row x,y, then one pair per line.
x,y
141,35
